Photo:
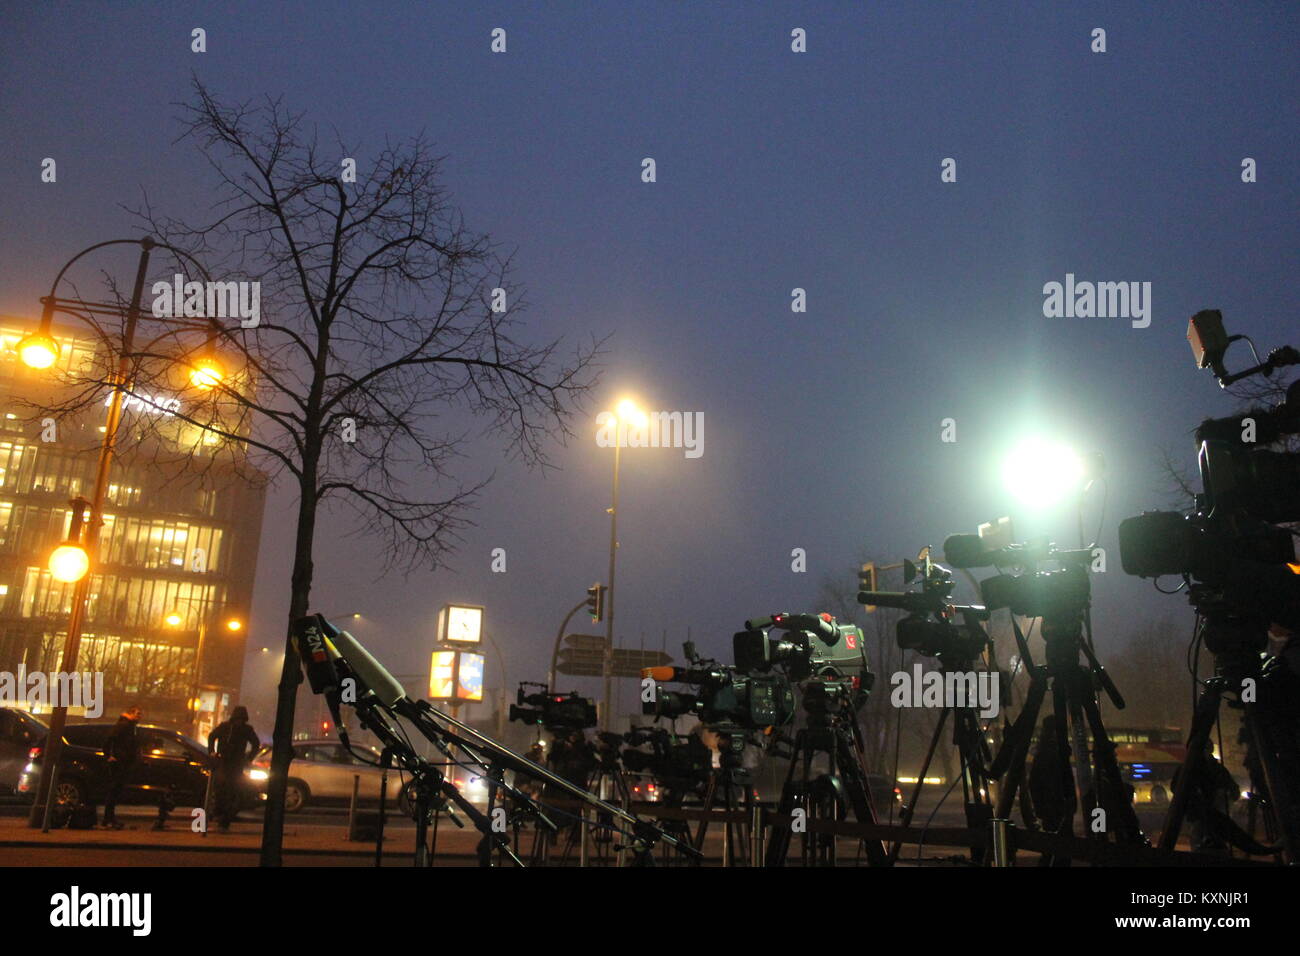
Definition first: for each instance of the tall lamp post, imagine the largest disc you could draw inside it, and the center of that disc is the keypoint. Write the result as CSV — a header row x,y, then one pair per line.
x,y
627,414
174,619
40,350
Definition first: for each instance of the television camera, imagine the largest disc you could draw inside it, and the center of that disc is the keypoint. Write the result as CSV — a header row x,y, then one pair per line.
x,y
555,712
954,635
931,626
1239,566
1061,599
1230,546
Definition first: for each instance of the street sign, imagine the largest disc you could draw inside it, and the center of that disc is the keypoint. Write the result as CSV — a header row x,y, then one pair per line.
x,y
587,642
580,663
628,663
588,661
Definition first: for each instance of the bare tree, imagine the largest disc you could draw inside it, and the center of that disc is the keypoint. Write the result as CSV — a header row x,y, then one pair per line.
x,y
381,316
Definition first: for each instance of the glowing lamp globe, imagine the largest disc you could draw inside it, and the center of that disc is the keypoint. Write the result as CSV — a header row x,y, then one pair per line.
x,y
38,350
206,374
69,563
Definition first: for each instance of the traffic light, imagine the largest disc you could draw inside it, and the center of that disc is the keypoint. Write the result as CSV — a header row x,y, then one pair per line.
x,y
867,581
596,602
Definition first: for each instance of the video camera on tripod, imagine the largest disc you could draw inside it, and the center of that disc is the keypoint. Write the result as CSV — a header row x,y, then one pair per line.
x,y
1230,546
676,762
1240,569
555,712
827,659
727,698
930,627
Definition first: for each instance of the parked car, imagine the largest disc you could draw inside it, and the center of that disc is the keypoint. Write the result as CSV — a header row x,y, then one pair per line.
x,y
168,760
20,732
322,772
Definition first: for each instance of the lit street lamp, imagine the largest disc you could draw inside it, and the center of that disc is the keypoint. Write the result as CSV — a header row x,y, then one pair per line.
x,y
69,562
175,619
627,414
40,350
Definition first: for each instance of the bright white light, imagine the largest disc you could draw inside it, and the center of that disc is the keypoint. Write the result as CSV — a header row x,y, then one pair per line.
x,y
630,415
1039,473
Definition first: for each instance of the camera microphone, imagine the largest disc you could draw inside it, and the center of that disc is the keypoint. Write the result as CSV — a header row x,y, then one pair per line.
x,y
911,601
967,551
369,671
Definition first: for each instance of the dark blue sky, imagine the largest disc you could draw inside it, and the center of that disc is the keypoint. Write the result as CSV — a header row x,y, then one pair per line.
x,y
775,170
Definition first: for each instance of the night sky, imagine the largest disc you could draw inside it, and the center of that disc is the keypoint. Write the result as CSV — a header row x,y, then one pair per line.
x,y
775,170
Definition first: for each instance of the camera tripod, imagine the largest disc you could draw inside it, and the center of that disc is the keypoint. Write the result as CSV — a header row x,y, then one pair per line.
x,y
606,778
1272,756
975,775
1077,716
844,786
729,783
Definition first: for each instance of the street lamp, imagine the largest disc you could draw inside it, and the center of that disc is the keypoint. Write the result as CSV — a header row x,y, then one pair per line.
x,y
627,414
175,619
39,350
206,373
70,562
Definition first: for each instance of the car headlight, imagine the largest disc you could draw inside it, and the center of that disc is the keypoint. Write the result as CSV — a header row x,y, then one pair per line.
x,y
258,775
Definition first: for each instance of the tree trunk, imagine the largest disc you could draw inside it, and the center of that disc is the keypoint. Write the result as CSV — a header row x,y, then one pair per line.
x,y
290,676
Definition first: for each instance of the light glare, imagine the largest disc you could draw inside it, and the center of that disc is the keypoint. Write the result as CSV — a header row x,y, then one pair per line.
x,y
1039,473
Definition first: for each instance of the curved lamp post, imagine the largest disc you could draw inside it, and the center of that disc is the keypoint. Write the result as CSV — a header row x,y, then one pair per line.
x,y
40,350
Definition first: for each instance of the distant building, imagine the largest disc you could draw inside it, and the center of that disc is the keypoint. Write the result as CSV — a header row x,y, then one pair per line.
x,y
178,547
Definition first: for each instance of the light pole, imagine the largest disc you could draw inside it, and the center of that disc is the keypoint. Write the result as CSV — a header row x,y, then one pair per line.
x,y
175,619
39,350
501,714
627,414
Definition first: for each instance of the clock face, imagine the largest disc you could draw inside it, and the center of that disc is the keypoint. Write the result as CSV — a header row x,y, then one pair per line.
x,y
464,624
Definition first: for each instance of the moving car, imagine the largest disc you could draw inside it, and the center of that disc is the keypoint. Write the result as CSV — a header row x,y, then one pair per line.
x,y
322,772
168,761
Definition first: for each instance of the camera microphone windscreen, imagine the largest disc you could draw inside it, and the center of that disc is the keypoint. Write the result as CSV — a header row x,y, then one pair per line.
x,y
966,551
368,670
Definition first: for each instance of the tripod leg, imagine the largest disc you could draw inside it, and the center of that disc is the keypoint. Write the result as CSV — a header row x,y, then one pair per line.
x,y
1276,760
808,837
970,748
1065,778
1203,719
779,844
1010,762
710,794
1112,792
905,816
853,761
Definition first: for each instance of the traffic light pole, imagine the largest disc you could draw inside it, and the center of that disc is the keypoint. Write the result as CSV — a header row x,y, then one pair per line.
x,y
555,653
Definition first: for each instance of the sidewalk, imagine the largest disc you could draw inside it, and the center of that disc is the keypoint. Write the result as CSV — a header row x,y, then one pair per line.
x,y
310,839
